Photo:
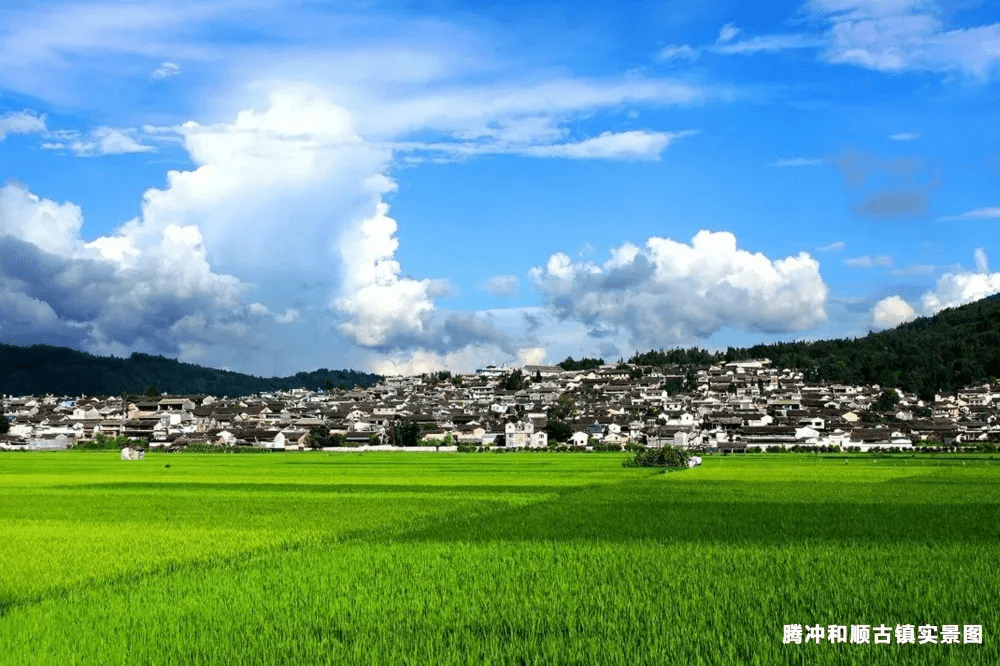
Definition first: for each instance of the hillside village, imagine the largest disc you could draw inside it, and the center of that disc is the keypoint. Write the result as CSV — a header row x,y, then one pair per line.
x,y
728,407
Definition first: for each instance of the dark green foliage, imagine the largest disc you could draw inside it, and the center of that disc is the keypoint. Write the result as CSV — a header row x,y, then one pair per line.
x,y
886,402
319,438
582,364
953,349
41,369
405,433
515,381
102,442
152,391
664,456
564,408
693,356
558,431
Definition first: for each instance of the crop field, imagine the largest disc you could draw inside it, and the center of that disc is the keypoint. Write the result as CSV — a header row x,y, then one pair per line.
x,y
401,558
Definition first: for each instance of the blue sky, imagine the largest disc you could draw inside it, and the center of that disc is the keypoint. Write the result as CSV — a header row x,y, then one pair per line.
x,y
279,186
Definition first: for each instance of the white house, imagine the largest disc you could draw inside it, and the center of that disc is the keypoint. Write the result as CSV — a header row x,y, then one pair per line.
x,y
518,434
128,453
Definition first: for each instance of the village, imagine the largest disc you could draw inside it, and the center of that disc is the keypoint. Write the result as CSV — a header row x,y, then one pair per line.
x,y
728,407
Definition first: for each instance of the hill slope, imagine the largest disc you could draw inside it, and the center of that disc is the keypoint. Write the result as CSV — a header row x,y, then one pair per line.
x,y
950,350
46,369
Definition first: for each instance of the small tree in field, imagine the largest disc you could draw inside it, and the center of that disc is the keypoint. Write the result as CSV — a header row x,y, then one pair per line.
x,y
664,456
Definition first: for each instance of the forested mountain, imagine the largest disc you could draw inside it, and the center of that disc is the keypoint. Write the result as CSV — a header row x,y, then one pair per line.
x,y
40,369
953,349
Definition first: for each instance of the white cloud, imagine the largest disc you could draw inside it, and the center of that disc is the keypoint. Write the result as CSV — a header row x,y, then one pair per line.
x,y
891,312
769,44
503,286
52,227
798,162
915,269
100,141
883,35
836,246
881,260
982,262
670,292
165,71
727,33
905,35
117,291
904,136
976,214
259,309
674,52
631,145
288,316
952,290
380,304
21,122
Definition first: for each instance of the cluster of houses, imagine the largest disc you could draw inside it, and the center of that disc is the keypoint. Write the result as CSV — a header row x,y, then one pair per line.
x,y
725,407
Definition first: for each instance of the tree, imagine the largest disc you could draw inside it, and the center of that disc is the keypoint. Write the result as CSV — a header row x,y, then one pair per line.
x,y
515,381
887,401
319,438
563,409
558,431
405,433
152,391
664,456
328,385
4,424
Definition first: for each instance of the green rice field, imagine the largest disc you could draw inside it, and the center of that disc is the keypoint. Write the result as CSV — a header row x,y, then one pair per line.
x,y
401,558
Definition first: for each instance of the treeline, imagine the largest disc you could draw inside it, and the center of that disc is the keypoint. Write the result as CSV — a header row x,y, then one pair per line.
x,y
41,369
953,349
582,364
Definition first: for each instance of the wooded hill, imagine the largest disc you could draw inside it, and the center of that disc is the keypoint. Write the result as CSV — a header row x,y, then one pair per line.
x,y
953,349
41,369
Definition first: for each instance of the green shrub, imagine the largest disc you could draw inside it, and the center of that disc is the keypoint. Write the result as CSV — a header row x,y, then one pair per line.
x,y
664,456
102,442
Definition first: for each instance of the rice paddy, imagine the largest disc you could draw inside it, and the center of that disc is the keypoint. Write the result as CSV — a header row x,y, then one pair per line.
x,y
383,558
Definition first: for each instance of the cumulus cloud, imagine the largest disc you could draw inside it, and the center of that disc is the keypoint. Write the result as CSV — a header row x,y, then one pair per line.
x,y
114,290
381,305
891,312
165,71
503,286
953,288
286,194
670,292
21,122
100,141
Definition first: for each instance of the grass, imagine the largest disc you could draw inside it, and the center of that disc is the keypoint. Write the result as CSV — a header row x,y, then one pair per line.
x,y
537,559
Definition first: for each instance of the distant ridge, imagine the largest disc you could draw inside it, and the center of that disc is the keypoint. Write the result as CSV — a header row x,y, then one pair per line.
x,y
41,369
952,349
